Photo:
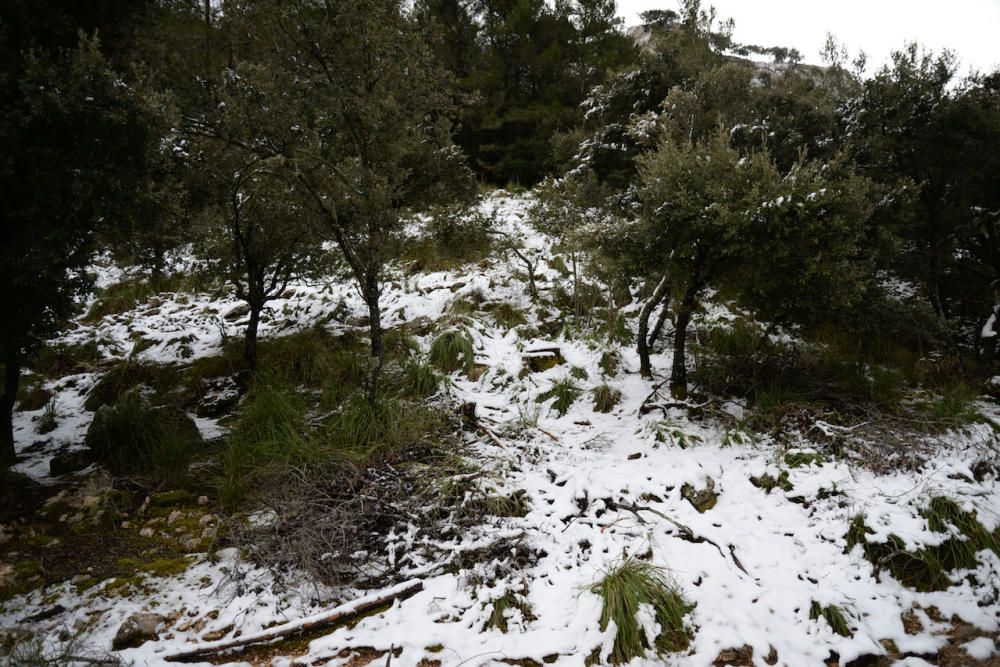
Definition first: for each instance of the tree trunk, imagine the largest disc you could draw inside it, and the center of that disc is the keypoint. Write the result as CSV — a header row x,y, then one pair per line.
x,y
250,342
678,369
658,329
371,295
642,340
11,379
577,311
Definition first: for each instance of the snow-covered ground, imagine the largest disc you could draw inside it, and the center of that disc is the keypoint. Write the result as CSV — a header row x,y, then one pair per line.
x,y
759,561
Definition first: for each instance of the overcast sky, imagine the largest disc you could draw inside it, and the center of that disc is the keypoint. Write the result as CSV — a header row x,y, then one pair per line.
x,y
971,28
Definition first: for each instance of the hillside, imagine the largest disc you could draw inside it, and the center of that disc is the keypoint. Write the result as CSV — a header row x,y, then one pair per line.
x,y
543,494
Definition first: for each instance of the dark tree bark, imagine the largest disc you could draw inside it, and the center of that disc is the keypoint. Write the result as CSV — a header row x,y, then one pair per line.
x,y
11,380
372,294
661,320
250,340
678,369
642,339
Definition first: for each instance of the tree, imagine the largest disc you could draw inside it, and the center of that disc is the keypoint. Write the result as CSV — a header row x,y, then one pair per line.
x,y
260,231
698,198
73,140
382,143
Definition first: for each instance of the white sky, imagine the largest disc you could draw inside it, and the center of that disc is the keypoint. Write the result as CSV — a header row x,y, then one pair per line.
x,y
971,28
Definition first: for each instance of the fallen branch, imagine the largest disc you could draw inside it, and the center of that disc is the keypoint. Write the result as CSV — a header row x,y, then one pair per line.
x,y
339,614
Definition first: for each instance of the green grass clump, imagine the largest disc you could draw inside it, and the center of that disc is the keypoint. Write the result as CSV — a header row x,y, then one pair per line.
x,y
313,358
565,392
508,316
952,407
606,398
272,429
610,362
926,569
624,589
50,418
419,379
502,605
59,360
134,437
452,351
127,375
833,616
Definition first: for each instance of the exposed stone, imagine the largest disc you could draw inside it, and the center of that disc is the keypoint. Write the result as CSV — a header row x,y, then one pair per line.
x,y
216,635
219,397
742,656
701,499
147,532
236,312
136,631
174,517
543,359
65,463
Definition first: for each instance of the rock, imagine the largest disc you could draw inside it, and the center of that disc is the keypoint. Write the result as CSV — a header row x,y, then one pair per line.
x,y
147,532
742,656
174,517
216,635
205,520
136,631
202,500
219,396
65,463
701,499
542,359
36,399
236,312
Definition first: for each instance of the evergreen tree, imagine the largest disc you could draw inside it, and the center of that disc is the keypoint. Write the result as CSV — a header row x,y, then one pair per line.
x,y
74,139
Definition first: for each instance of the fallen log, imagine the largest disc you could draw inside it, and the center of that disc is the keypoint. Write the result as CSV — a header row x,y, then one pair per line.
x,y
339,614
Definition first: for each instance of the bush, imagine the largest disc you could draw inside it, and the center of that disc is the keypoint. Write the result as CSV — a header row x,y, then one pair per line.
x,y
452,351
451,237
133,437
624,589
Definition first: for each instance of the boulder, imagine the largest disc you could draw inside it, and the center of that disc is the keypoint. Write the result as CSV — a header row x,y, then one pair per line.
x,y
137,630
111,435
219,397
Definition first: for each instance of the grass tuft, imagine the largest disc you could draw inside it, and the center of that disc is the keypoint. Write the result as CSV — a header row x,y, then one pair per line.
x,y
565,392
625,589
606,398
452,351
833,616
503,607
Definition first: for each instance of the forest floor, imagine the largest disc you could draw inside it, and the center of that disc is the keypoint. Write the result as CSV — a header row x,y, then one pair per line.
x,y
752,526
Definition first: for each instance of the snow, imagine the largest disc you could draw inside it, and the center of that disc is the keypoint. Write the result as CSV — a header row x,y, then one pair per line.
x,y
574,469
980,648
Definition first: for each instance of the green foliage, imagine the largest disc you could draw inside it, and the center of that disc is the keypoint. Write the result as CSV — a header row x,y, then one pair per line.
x,y
507,315
927,568
134,437
452,236
606,398
626,587
833,616
314,358
126,375
610,362
452,351
420,379
565,392
503,606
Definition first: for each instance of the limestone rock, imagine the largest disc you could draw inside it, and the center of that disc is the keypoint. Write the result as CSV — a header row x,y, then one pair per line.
x,y
137,630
